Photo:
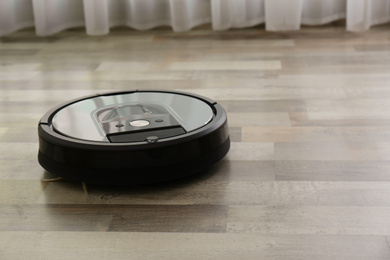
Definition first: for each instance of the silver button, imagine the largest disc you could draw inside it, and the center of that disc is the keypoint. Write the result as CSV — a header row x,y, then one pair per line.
x,y
152,139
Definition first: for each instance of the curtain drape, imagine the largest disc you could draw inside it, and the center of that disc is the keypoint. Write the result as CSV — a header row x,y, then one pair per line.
x,y
98,16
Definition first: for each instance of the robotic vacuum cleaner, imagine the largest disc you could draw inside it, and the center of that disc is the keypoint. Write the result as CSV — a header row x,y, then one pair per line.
x,y
133,137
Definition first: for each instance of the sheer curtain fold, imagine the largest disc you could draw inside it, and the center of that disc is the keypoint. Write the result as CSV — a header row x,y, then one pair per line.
x,y
98,16
15,15
181,15
317,12
52,16
283,15
362,14
237,14
189,13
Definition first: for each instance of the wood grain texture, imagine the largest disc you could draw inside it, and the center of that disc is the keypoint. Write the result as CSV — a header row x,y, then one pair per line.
x,y
309,220
202,190
332,170
307,176
251,151
256,119
250,106
339,119
315,134
235,134
326,151
227,65
100,245
115,218
12,52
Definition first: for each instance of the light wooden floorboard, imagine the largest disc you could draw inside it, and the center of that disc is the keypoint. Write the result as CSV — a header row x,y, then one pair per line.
x,y
100,245
307,176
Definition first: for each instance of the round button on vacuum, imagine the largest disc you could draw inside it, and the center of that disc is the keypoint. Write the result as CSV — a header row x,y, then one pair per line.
x,y
152,139
139,123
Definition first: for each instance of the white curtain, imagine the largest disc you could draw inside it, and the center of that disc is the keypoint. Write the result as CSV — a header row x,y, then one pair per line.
x,y
237,14
362,14
15,15
321,12
98,16
181,15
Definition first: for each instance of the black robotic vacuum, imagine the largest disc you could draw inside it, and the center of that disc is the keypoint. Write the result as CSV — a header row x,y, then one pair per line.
x,y
133,137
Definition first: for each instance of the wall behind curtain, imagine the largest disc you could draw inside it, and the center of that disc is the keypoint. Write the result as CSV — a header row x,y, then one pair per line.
x,y
98,16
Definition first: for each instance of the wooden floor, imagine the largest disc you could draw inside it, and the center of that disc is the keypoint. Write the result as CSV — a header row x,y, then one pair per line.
x,y
307,176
